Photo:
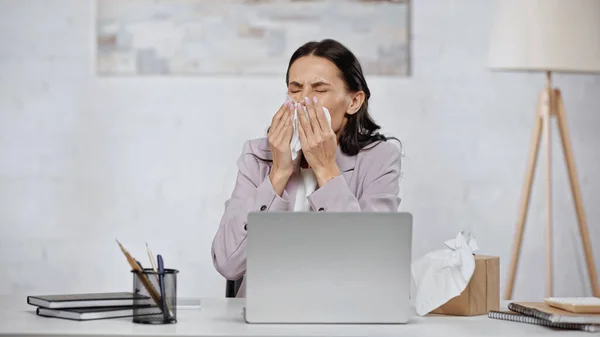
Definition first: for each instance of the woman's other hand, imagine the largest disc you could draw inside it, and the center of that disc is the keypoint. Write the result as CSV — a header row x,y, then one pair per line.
x,y
280,136
319,142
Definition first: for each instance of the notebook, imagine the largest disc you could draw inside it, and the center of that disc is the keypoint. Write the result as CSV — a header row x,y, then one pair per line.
x,y
517,317
85,314
89,300
555,315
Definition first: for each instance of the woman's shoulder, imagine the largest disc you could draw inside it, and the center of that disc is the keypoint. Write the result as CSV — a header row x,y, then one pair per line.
x,y
380,151
380,158
254,160
257,147
255,154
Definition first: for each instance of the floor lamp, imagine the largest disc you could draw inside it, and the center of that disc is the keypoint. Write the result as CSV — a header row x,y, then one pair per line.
x,y
547,36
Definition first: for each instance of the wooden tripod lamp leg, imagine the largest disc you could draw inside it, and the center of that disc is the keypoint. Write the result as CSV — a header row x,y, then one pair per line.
x,y
525,197
576,192
548,113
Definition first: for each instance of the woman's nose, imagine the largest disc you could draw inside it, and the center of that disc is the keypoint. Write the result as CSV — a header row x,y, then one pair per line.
x,y
305,93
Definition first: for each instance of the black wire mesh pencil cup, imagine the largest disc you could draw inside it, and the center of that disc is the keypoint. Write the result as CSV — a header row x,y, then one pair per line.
x,y
158,291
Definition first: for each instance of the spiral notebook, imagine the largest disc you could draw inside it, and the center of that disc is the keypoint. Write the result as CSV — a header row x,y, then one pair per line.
x,y
555,315
517,317
540,313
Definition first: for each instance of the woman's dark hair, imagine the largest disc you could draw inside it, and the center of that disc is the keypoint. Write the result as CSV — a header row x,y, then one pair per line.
x,y
360,130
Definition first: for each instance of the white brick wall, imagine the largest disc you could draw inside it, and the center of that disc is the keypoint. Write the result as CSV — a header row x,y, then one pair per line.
x,y
81,163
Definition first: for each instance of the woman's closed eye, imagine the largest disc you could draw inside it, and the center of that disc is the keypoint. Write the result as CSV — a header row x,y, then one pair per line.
x,y
300,91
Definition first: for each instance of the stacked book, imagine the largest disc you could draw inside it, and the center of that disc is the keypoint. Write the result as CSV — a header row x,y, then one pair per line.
x,y
572,314
89,306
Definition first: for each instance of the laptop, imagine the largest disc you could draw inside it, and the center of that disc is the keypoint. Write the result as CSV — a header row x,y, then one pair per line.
x,y
315,267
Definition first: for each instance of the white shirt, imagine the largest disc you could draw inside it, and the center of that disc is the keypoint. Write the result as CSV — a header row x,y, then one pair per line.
x,y
307,183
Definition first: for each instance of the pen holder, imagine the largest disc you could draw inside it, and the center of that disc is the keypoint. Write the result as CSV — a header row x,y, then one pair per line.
x,y
148,308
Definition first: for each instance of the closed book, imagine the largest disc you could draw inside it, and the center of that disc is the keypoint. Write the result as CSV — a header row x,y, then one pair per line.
x,y
517,317
86,300
86,314
551,314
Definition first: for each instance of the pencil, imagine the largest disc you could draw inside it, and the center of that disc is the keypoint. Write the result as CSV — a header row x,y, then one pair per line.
x,y
150,256
145,281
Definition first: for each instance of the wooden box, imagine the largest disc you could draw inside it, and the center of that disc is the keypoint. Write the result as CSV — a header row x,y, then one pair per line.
x,y
481,295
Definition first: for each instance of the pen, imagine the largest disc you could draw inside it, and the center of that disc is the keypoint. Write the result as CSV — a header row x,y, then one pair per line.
x,y
161,282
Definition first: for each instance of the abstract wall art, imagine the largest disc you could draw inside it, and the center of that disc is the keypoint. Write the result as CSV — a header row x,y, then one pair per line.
x,y
245,37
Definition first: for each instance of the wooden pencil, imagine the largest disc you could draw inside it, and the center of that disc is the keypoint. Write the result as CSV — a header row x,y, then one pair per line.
x,y
151,257
143,278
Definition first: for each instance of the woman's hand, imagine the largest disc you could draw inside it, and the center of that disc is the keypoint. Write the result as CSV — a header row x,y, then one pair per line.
x,y
319,142
279,136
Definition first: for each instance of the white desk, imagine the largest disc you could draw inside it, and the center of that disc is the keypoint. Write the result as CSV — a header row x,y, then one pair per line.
x,y
223,317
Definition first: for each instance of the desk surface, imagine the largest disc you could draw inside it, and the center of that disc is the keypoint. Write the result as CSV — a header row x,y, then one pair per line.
x,y
223,317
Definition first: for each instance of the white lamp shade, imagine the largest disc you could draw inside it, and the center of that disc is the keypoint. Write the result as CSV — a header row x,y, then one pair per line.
x,y
546,35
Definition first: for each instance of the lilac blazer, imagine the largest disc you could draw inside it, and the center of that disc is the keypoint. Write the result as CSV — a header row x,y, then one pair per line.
x,y
369,182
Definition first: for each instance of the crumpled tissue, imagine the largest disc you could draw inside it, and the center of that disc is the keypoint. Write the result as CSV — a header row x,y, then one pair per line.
x,y
295,145
444,274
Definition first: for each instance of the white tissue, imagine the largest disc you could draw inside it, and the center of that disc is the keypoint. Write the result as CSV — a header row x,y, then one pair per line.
x,y
443,274
295,144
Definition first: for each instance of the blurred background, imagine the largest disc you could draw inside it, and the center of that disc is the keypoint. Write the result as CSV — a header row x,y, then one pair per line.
x,y
124,120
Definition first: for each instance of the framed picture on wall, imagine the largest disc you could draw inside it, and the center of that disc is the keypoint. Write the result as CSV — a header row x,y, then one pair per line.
x,y
245,37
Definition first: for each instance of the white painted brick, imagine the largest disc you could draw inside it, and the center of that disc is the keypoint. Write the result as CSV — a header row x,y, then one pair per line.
x,y
81,161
